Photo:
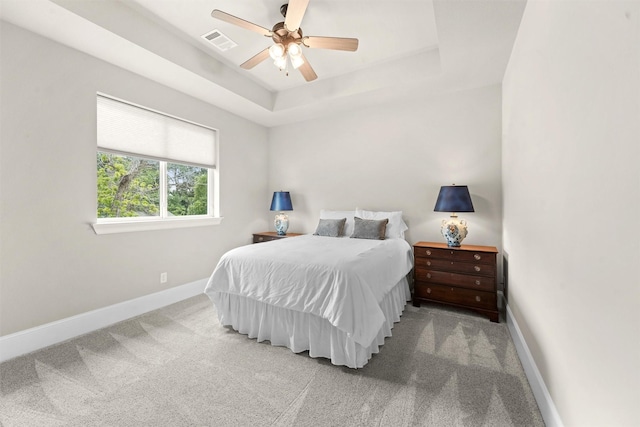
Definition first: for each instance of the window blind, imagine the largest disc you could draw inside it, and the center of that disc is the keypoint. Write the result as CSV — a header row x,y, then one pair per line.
x,y
126,129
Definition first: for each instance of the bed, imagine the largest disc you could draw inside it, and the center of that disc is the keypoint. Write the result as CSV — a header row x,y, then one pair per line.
x,y
337,297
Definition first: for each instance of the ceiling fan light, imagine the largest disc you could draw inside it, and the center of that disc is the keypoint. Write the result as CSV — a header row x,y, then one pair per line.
x,y
281,62
276,51
294,50
297,61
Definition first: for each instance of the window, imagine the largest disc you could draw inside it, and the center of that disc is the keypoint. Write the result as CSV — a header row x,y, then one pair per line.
x,y
153,170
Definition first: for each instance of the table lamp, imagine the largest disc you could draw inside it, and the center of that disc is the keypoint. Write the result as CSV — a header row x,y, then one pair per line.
x,y
281,202
454,198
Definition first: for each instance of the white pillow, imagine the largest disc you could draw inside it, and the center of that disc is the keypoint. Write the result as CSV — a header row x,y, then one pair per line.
x,y
396,226
348,226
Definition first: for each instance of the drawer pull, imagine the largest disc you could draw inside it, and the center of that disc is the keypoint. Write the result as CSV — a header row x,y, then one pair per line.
x,y
476,268
428,252
477,298
260,239
428,290
428,275
478,282
428,262
477,257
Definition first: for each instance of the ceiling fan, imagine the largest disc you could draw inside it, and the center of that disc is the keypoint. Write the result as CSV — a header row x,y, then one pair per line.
x,y
288,39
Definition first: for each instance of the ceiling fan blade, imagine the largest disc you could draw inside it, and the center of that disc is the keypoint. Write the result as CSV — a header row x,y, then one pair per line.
x,y
295,12
223,16
255,60
335,43
306,70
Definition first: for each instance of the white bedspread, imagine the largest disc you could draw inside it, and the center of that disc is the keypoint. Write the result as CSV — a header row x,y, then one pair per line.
x,y
342,280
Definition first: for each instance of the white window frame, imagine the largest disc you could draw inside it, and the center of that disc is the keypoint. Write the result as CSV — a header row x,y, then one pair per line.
x,y
163,221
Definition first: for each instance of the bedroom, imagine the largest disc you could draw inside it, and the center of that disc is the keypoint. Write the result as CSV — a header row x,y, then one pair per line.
x,y
556,140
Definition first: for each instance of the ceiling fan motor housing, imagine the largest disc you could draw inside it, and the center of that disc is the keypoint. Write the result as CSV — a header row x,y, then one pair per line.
x,y
282,35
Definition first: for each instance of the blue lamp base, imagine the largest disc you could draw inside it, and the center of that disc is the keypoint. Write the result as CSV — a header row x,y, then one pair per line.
x,y
282,223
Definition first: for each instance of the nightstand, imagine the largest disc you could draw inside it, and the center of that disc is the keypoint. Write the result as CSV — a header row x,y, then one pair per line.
x,y
462,276
267,236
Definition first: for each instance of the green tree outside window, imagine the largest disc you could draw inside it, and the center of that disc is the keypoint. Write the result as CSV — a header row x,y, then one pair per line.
x,y
130,187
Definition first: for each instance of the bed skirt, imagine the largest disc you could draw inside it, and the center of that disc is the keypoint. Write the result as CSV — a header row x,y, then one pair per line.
x,y
302,331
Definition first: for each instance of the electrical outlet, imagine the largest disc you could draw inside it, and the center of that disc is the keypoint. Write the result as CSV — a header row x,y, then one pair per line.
x,y
163,277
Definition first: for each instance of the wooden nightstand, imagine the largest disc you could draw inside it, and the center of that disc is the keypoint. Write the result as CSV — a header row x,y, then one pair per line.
x,y
462,276
267,236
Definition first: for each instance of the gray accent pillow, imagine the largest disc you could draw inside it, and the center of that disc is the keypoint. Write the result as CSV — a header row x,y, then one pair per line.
x,y
369,228
330,227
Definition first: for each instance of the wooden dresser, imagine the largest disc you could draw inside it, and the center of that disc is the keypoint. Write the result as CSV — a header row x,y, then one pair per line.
x,y
464,276
267,236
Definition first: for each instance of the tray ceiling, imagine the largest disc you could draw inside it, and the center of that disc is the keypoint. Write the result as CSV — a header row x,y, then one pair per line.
x,y
406,47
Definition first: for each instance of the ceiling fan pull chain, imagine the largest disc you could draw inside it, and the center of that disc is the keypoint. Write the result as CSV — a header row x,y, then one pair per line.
x,y
286,67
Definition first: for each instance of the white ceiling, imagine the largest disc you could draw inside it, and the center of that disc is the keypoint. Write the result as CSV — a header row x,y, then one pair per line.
x,y
405,47
372,22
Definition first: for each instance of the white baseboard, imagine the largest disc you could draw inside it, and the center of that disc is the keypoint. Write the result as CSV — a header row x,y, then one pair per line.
x,y
539,388
33,339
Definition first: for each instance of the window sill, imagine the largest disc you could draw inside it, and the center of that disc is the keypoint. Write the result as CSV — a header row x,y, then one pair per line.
x,y
111,227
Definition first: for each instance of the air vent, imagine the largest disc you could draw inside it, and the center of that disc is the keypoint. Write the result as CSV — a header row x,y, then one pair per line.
x,y
219,40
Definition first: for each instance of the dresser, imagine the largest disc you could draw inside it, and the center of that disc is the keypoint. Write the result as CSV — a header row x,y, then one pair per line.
x,y
267,236
464,276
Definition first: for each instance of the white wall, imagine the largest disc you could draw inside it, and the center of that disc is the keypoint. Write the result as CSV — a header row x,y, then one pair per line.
x,y
571,190
396,157
52,265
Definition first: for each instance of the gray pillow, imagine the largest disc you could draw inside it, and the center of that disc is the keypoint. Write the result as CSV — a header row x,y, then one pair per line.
x,y
369,228
330,227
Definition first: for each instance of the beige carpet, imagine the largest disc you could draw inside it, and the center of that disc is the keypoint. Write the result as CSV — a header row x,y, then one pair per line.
x,y
178,367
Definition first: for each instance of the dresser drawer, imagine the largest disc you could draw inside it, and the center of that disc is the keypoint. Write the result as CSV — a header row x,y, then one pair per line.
x,y
459,296
483,283
457,266
456,255
257,238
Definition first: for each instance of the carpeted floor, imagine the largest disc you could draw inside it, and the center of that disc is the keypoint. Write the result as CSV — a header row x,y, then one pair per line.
x,y
178,367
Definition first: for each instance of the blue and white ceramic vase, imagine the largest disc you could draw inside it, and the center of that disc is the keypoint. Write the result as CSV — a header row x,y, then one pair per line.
x,y
454,230
282,223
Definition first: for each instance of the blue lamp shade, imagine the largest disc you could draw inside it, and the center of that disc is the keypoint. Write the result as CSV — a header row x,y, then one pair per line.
x,y
281,201
454,198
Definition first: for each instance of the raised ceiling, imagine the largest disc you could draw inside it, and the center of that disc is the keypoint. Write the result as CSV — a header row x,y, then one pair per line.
x,y
406,47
